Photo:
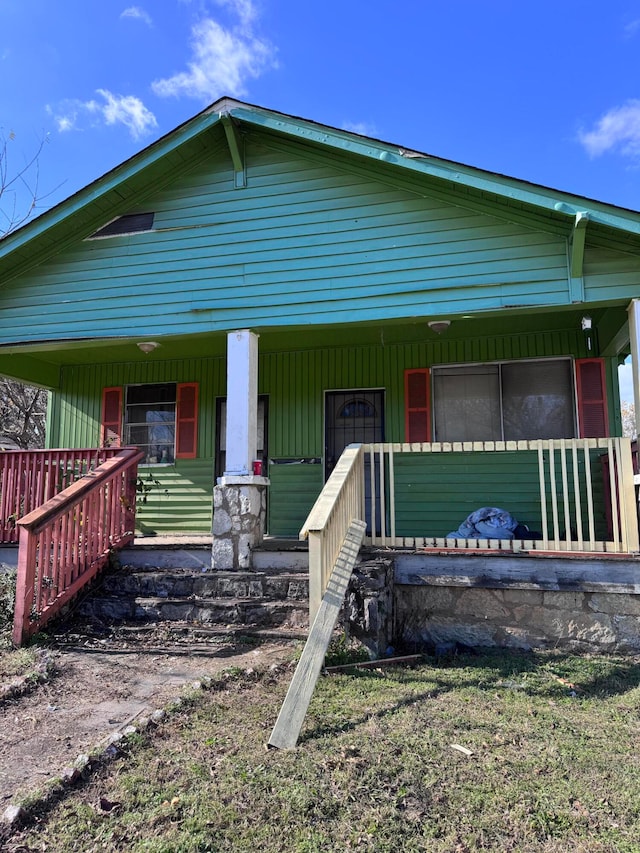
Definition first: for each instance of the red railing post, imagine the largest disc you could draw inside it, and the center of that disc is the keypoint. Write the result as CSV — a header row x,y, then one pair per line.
x,y
29,478
25,586
65,542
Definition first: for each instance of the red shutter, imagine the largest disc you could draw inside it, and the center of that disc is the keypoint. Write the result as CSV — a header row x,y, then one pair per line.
x,y
591,386
111,420
187,421
417,405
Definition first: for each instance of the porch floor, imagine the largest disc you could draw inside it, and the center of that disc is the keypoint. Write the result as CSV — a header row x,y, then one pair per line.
x,y
204,540
618,573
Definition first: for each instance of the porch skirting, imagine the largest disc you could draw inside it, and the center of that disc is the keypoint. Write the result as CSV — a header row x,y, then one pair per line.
x,y
438,616
573,604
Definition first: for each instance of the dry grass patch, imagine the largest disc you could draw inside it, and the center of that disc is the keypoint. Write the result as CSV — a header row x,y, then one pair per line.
x,y
549,762
13,662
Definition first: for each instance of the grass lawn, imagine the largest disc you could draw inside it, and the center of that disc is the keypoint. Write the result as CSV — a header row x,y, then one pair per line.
x,y
550,762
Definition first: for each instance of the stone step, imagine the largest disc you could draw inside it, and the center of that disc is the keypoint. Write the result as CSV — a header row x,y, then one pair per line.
x,y
184,583
250,600
246,612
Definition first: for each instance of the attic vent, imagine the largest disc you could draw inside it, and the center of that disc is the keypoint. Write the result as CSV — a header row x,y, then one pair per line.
x,y
130,223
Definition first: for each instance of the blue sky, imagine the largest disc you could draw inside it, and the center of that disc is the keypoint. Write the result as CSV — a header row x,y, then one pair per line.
x,y
545,91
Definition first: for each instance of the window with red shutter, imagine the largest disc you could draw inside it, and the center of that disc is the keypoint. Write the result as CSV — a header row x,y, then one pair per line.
x,y
591,387
187,421
111,419
417,402
161,419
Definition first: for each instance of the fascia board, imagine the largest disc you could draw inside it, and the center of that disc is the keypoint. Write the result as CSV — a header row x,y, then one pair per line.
x,y
555,201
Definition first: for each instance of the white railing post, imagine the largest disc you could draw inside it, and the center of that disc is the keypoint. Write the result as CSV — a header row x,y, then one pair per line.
x,y
339,504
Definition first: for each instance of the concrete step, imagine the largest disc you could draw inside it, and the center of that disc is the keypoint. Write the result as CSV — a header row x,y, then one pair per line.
x,y
198,558
228,612
195,553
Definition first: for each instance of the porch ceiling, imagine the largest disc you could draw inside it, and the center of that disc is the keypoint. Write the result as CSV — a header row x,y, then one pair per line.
x,y
39,363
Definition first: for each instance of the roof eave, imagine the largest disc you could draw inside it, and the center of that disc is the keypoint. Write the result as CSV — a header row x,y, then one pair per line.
x,y
502,186
124,171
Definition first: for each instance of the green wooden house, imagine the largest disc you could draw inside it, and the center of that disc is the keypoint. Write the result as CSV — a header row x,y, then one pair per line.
x,y
332,289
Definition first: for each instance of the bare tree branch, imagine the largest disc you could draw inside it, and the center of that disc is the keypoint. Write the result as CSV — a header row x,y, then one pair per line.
x,y
22,415
22,407
20,193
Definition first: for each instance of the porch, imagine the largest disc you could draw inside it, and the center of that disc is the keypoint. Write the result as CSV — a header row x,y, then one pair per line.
x,y
577,497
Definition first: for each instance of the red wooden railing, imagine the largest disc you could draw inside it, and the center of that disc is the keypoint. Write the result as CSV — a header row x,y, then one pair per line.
x,y
28,478
65,542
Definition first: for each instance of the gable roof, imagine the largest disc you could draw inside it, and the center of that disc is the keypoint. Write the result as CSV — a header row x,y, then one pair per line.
x,y
113,194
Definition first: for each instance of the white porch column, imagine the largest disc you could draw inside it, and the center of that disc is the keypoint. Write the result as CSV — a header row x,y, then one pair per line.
x,y
634,330
239,496
242,402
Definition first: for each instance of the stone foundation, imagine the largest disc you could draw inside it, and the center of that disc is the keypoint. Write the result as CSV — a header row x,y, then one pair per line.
x,y
369,605
433,615
239,514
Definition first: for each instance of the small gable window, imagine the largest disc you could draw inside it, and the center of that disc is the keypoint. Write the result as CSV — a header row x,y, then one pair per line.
x,y
130,223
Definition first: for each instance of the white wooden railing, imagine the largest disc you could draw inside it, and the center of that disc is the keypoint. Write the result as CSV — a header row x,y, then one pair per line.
x,y
340,502
567,471
566,477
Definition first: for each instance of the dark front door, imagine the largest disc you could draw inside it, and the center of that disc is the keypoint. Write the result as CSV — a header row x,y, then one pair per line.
x,y
353,417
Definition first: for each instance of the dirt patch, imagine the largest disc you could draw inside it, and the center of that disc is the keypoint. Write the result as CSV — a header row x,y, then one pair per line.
x,y
99,685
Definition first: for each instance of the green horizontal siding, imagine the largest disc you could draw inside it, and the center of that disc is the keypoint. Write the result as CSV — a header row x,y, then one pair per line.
x,y
304,242
294,489
611,274
181,500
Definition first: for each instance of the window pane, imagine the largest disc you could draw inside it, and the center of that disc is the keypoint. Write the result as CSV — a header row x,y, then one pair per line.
x,y
161,392
467,403
150,420
538,400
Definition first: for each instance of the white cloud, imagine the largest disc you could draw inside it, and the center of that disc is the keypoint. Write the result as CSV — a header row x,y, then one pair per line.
x,y
618,129
129,111
138,13
116,109
223,59
360,127
632,28
244,9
